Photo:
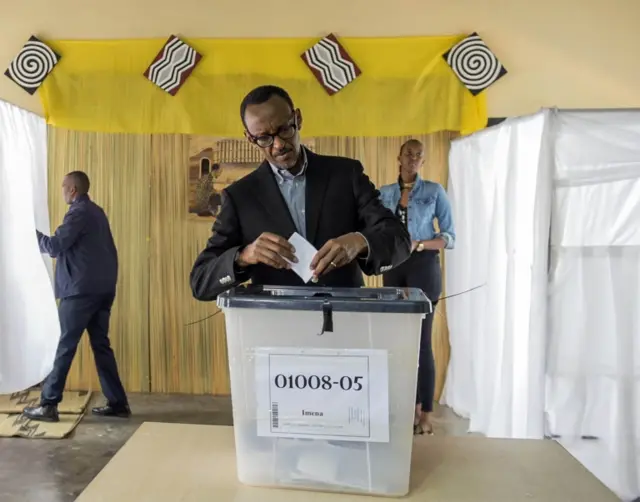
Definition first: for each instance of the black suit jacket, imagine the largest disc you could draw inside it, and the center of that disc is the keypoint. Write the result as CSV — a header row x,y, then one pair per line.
x,y
339,199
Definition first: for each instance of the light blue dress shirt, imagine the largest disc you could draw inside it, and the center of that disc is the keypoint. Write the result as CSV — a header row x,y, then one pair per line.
x,y
293,190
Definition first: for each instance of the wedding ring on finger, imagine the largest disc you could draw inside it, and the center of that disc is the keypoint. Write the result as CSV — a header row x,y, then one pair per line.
x,y
334,264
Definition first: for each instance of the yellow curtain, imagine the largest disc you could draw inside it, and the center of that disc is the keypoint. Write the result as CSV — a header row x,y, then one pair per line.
x,y
406,88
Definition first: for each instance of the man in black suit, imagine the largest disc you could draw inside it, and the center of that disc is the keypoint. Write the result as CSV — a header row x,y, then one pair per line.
x,y
327,200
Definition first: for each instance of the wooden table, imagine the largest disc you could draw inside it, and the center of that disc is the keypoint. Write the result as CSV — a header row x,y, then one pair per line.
x,y
196,463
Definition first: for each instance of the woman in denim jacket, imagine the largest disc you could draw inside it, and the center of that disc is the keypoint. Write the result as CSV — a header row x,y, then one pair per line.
x,y
418,203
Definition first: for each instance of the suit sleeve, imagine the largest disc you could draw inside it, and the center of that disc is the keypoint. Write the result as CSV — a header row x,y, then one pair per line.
x,y
389,242
214,271
65,235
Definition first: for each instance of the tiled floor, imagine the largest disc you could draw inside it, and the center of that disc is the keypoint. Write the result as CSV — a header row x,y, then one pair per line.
x,y
34,470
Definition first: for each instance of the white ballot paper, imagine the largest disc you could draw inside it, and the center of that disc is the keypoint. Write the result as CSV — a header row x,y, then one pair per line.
x,y
305,253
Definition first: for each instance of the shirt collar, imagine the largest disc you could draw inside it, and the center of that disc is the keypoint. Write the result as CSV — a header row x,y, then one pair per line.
x,y
415,183
283,174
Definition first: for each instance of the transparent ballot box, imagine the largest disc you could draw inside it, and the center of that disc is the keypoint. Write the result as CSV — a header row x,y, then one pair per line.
x,y
323,385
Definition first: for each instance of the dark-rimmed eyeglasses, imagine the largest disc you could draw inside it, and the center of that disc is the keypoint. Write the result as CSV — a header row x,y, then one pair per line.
x,y
285,132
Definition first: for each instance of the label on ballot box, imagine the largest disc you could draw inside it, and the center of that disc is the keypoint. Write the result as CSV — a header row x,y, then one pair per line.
x,y
323,394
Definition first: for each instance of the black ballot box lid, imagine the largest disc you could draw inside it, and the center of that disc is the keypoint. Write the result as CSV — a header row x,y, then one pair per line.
x,y
319,298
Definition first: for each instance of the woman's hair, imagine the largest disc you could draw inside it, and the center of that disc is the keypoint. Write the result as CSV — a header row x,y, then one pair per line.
x,y
411,141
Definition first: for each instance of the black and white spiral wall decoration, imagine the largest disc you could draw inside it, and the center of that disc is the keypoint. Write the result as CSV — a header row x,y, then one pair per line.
x,y
474,64
32,65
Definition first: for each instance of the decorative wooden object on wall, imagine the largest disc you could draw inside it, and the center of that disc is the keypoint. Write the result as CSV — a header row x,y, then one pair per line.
x,y
475,64
330,63
173,65
32,65
215,163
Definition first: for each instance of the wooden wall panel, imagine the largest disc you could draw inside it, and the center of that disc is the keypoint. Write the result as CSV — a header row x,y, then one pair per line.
x,y
141,181
119,168
186,356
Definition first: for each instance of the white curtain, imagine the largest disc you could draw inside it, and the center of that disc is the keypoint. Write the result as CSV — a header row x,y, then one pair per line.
x,y
29,327
548,215
500,190
593,363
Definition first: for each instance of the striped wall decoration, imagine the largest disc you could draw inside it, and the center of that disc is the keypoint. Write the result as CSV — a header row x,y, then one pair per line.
x,y
331,64
173,65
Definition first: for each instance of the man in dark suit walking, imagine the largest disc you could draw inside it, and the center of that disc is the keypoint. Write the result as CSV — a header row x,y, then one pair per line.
x,y
85,283
327,200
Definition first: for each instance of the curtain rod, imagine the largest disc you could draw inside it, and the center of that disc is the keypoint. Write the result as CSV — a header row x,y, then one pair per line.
x,y
552,109
596,109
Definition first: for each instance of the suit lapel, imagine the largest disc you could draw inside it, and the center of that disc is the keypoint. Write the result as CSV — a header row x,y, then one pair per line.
x,y
268,193
316,187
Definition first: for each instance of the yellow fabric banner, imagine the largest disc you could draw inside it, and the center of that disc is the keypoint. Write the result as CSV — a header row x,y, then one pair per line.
x,y
405,88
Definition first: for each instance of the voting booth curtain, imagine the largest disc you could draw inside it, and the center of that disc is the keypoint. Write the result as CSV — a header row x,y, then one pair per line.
x,y
551,345
500,191
405,88
29,328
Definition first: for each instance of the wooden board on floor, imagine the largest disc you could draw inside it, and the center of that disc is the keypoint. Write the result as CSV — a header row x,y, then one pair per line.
x,y
14,424
194,463
73,402
19,426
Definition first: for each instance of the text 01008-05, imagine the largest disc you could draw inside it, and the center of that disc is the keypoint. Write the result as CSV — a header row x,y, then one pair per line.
x,y
315,382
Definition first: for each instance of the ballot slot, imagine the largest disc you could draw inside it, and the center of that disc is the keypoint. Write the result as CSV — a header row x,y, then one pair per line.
x,y
374,300
326,292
